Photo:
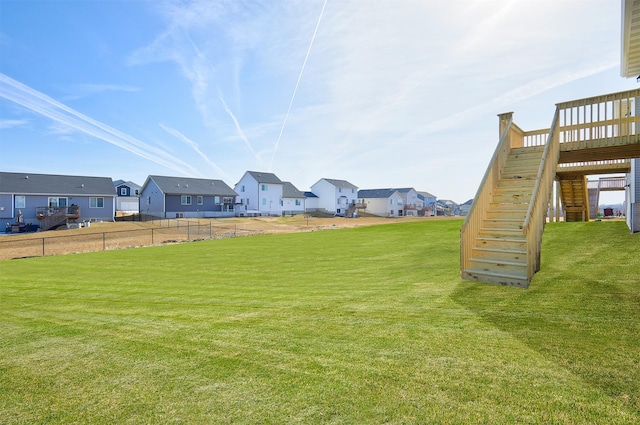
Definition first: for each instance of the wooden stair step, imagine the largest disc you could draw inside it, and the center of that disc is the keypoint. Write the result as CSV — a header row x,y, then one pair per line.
x,y
494,265
499,278
499,254
502,223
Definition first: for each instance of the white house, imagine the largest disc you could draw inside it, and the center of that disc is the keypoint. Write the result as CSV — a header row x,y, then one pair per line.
x,y
382,202
335,196
293,200
259,194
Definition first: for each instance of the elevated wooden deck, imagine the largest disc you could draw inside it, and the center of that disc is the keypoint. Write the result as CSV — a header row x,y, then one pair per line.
x,y
501,238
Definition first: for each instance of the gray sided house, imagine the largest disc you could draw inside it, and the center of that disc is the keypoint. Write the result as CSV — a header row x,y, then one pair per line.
x,y
184,197
127,194
48,200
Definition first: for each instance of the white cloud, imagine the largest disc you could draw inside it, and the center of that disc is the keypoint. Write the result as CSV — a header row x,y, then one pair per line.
x,y
12,123
42,104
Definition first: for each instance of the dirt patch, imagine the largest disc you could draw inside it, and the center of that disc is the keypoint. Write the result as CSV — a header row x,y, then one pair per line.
x,y
120,235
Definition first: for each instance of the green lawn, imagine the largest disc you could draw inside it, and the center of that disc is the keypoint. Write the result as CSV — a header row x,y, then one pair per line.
x,y
358,326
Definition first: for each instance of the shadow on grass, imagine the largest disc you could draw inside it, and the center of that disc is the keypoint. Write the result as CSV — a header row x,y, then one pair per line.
x,y
582,310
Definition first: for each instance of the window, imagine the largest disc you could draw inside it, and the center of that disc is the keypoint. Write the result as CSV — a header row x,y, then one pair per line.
x,y
185,200
399,201
216,200
123,191
353,191
148,200
227,200
264,201
242,188
297,201
281,203
263,187
390,201
137,192
58,202
200,200
96,202
20,201
339,190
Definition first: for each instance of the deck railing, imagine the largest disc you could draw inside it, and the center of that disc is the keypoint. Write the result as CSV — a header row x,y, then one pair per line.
x,y
534,221
511,137
608,117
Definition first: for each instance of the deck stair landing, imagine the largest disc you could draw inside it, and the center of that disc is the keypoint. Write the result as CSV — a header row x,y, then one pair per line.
x,y
499,251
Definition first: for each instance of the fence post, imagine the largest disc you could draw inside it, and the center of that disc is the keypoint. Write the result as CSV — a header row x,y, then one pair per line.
x,y
104,241
151,236
43,247
188,231
210,231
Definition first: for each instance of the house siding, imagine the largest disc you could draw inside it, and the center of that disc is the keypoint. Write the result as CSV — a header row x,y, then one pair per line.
x,y
6,206
256,200
32,202
152,200
331,199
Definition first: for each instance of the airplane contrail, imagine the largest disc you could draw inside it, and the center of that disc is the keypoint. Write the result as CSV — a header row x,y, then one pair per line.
x,y
196,148
286,117
44,105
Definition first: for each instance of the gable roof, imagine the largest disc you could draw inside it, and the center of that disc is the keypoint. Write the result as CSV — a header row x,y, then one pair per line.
x,y
376,193
261,177
426,194
191,186
290,191
51,184
403,189
340,183
130,184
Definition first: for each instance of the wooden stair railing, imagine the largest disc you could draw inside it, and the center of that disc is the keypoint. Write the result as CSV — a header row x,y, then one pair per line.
x,y
500,240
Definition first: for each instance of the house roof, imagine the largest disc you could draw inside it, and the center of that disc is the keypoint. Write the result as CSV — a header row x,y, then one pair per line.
x,y
402,189
376,193
426,194
191,186
51,184
290,191
340,183
261,177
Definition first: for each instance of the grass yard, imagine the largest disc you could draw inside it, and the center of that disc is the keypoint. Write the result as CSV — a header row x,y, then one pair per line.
x,y
355,326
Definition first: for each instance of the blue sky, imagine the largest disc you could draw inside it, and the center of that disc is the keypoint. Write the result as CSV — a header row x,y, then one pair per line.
x,y
380,93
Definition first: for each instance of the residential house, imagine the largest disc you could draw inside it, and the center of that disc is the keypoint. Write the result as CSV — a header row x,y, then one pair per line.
x,y
448,207
382,202
411,203
428,204
336,196
293,200
311,202
178,197
47,200
260,194
632,196
127,194
464,208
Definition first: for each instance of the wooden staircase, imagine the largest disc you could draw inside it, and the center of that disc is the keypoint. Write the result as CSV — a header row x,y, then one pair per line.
x,y
575,198
499,250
